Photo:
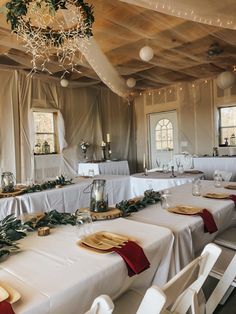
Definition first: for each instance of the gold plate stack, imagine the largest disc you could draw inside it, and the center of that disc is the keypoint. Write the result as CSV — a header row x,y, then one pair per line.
x,y
221,196
185,210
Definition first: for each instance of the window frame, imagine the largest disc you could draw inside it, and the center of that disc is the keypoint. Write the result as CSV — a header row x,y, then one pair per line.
x,y
220,127
55,129
162,131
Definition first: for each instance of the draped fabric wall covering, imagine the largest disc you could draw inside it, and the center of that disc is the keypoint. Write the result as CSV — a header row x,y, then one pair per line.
x,y
88,114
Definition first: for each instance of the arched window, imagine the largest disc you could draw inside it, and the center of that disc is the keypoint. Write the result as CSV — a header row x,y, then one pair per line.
x,y
164,135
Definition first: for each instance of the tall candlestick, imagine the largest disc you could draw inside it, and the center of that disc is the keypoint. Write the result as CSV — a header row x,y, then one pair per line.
x,y
144,161
108,138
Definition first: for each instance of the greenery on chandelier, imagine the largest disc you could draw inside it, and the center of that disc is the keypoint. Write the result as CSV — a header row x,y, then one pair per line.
x,y
17,12
132,205
60,181
13,229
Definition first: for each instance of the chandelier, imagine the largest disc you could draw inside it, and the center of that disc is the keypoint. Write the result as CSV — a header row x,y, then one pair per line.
x,y
50,28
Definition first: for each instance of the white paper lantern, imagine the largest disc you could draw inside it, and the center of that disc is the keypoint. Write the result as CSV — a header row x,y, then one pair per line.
x,y
225,80
131,82
146,53
64,83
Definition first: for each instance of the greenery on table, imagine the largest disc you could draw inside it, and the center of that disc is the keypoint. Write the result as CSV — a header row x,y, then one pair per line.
x,y
60,181
13,229
134,205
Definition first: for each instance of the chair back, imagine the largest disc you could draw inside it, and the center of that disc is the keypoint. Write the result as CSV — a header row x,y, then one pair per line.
x,y
101,305
226,175
152,302
193,275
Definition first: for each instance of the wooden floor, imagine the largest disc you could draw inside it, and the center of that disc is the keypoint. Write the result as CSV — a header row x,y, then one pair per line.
x,y
230,305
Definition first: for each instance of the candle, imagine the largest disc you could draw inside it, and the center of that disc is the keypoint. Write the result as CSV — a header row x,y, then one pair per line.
x,y
144,161
108,138
103,144
98,196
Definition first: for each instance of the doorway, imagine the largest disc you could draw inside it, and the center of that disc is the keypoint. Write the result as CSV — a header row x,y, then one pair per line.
x,y
163,132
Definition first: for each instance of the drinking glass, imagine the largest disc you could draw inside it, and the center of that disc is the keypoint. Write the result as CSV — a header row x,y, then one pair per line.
x,y
218,180
165,168
158,162
177,161
83,223
196,187
165,199
91,173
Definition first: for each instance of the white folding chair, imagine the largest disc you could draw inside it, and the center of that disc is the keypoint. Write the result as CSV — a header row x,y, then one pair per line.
x,y
226,175
180,292
225,271
101,305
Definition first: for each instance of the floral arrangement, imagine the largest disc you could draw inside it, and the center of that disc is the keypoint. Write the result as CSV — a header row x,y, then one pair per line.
x,y
84,146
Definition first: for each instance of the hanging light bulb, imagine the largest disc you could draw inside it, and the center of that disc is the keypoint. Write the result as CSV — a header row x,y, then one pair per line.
x,y
146,53
225,80
131,82
64,82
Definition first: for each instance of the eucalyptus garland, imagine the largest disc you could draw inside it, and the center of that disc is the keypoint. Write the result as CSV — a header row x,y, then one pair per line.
x,y
13,229
60,181
17,12
130,206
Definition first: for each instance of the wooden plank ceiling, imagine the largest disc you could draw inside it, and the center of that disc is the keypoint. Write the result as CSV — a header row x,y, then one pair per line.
x,y
180,47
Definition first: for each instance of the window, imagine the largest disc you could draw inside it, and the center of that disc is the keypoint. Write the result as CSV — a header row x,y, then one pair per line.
x,y
164,135
227,125
45,132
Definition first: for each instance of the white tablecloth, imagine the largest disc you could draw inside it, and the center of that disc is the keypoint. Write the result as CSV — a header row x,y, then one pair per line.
x,y
188,230
158,181
109,167
54,275
8,206
72,197
209,164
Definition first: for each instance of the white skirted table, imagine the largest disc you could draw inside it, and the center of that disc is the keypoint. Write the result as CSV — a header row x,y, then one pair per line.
x,y
189,229
55,276
209,164
108,167
159,181
71,197
65,199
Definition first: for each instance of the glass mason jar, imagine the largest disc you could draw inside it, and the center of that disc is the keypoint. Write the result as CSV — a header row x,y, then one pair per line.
x,y
7,182
83,223
98,198
196,187
218,180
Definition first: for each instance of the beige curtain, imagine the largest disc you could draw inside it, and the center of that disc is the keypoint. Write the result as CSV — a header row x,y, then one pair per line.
x,y
88,114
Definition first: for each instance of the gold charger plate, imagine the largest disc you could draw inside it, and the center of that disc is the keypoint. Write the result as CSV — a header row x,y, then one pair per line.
x,y
217,195
185,210
231,187
103,241
8,293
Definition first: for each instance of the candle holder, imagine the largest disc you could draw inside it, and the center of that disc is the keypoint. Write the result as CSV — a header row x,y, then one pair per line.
x,y
98,199
172,172
109,150
104,157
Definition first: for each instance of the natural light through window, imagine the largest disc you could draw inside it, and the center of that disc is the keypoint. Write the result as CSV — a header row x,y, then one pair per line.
x,y
164,135
227,125
45,132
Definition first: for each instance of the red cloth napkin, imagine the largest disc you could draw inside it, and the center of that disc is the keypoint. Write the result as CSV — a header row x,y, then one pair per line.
x,y
233,198
209,222
134,257
5,308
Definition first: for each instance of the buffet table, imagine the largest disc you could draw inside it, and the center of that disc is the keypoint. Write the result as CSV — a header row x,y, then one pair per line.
x,y
209,164
157,181
54,275
188,229
108,167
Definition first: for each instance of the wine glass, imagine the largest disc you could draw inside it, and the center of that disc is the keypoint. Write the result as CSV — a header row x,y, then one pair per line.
x,y
158,162
177,161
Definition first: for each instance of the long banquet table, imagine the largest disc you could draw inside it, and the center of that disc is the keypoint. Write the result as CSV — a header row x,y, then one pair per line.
x,y
157,181
188,229
65,199
54,275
